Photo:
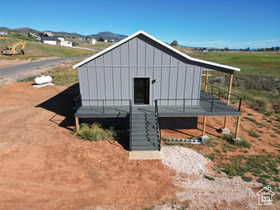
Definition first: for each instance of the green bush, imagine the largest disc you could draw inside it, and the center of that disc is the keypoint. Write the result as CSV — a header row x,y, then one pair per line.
x,y
209,178
253,134
239,143
276,179
95,132
247,178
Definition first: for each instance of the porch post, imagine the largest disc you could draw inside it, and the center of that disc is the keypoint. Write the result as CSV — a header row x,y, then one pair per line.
x,y
228,97
77,124
204,125
206,82
237,126
205,90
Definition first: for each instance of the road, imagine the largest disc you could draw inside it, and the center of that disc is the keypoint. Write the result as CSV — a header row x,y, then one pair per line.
x,y
12,71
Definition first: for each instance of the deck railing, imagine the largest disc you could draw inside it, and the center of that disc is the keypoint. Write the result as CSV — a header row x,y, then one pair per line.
x,y
234,101
209,103
103,102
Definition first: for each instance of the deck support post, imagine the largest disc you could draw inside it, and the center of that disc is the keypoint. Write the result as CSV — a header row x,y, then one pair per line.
x,y
77,124
204,125
228,97
237,126
205,90
206,82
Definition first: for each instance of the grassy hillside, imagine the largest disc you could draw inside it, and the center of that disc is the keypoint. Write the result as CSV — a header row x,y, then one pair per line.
x,y
35,50
256,63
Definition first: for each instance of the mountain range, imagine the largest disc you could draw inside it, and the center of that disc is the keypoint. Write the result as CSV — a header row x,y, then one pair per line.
x,y
105,35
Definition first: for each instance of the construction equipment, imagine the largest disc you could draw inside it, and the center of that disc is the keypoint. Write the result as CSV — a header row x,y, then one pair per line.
x,y
16,49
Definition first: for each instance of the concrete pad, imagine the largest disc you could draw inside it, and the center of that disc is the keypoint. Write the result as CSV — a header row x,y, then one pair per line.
x,y
226,131
145,155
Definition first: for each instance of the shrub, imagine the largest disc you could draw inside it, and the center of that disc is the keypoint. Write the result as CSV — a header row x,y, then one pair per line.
x,y
262,181
254,134
210,142
247,178
211,156
260,125
95,132
276,179
239,143
209,178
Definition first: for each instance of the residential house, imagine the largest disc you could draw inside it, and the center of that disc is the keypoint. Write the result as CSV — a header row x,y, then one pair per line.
x,y
49,40
147,81
66,43
93,41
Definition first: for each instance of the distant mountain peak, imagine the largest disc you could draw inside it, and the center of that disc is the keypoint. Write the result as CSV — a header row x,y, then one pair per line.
x,y
105,35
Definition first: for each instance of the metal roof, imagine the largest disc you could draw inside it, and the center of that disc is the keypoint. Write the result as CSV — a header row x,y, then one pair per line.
x,y
231,68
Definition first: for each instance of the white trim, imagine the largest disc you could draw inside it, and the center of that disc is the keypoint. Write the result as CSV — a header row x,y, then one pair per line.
x,y
160,42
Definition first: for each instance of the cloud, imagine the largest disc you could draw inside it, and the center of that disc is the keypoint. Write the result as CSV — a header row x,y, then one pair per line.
x,y
234,44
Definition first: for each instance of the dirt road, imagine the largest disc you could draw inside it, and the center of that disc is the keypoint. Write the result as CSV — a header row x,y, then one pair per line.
x,y
21,71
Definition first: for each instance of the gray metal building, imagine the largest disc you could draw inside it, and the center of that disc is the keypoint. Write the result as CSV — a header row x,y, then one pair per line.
x,y
143,77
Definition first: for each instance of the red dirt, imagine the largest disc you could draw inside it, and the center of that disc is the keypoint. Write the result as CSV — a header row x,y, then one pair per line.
x,y
269,137
44,166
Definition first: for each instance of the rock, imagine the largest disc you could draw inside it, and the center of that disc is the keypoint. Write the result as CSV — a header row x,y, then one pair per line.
x,y
226,131
205,138
237,139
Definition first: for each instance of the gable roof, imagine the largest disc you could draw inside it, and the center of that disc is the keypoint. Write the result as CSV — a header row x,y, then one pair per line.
x,y
231,68
49,38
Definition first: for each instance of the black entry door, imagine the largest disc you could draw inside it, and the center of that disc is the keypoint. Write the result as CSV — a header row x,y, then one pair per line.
x,y
141,90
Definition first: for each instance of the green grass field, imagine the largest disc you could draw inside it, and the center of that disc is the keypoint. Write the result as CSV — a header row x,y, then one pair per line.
x,y
257,63
35,50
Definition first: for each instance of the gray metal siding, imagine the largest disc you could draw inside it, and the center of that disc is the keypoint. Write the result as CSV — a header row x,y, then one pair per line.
x,y
110,76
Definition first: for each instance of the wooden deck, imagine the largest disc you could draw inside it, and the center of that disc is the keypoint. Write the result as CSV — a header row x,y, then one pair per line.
x,y
218,108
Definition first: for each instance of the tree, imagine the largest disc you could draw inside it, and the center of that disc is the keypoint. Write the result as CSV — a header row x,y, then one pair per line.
x,y
174,43
100,39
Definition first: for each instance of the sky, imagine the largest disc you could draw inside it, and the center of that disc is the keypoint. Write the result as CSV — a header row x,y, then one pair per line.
x,y
197,23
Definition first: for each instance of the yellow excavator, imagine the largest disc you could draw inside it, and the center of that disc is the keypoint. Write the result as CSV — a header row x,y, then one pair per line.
x,y
16,49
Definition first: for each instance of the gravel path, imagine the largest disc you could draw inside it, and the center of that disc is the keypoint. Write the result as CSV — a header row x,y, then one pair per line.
x,y
184,160
197,192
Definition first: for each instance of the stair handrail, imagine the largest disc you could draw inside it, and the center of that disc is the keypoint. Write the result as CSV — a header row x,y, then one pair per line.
x,y
130,124
157,123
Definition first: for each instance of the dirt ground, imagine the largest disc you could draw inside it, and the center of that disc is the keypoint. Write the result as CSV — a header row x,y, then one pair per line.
x,y
268,131
44,166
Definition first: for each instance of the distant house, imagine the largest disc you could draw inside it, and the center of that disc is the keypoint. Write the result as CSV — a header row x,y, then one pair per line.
x,y
151,85
3,33
66,43
93,41
49,40
105,40
61,39
48,33
34,35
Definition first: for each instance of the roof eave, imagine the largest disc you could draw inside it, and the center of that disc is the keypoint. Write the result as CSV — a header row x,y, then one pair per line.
x,y
230,68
